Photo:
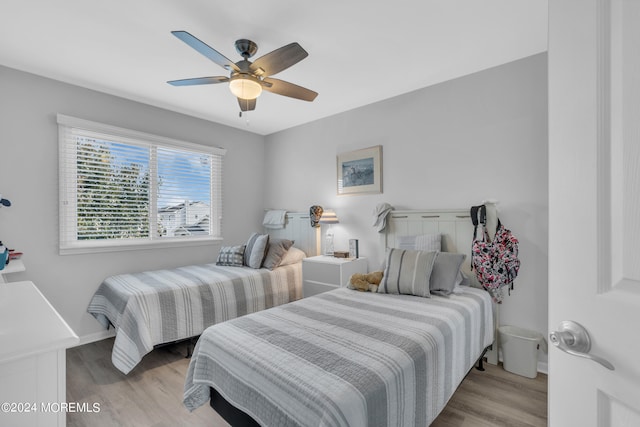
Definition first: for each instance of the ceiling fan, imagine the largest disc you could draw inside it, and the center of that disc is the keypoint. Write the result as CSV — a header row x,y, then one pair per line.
x,y
248,79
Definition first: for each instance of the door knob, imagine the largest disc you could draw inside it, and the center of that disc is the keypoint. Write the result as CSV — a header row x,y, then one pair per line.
x,y
572,338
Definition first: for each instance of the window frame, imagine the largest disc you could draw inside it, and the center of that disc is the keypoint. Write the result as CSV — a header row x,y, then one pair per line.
x,y
68,190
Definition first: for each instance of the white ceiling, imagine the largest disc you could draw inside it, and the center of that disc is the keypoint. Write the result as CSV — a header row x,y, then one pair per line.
x,y
359,51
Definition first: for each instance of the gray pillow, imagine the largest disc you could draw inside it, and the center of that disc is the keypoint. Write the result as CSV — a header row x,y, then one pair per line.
x,y
445,272
407,272
276,251
256,250
231,255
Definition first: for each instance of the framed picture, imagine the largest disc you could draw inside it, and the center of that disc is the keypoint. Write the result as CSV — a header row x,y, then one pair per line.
x,y
360,171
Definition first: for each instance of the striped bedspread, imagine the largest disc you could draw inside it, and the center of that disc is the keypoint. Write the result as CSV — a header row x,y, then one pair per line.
x,y
161,306
344,358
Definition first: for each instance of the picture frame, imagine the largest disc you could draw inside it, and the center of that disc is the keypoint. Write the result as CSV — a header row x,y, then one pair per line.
x,y
354,250
360,171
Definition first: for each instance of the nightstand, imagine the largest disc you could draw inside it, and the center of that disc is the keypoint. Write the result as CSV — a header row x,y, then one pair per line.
x,y
14,266
324,273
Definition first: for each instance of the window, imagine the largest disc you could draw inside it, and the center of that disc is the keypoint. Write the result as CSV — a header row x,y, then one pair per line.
x,y
122,189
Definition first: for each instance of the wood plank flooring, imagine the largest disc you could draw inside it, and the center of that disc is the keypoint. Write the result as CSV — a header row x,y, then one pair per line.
x,y
151,395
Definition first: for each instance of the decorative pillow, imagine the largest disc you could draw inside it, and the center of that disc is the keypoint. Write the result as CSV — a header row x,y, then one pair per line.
x,y
461,280
429,242
446,271
423,242
406,242
276,251
256,250
231,255
407,272
292,256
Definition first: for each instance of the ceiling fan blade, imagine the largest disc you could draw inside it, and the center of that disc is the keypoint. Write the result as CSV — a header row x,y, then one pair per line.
x,y
281,87
247,104
206,50
278,60
199,81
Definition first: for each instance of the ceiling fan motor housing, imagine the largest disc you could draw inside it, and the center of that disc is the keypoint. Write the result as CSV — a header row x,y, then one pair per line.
x,y
246,48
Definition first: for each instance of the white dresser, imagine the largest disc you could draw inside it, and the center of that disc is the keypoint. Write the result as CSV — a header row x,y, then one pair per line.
x,y
34,340
323,273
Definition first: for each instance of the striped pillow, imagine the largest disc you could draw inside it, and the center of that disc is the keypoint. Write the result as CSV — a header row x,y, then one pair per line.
x,y
231,255
407,272
256,250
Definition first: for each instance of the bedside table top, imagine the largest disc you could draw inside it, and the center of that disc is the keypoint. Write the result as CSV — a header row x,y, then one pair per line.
x,y
330,259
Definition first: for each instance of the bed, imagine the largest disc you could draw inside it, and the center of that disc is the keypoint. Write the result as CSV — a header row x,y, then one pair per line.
x,y
348,358
152,308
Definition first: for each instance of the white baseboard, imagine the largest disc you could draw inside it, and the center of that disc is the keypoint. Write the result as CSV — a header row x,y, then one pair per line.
x,y
543,368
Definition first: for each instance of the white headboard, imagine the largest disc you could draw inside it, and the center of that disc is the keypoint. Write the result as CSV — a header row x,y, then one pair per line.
x,y
298,228
457,235
454,224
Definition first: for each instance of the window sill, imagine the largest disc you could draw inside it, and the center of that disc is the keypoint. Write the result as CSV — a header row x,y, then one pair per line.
x,y
119,246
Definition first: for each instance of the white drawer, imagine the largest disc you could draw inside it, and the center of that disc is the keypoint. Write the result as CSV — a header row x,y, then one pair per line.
x,y
313,288
323,273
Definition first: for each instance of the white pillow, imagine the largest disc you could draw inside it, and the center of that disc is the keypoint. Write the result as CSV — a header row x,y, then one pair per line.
x,y
422,242
292,256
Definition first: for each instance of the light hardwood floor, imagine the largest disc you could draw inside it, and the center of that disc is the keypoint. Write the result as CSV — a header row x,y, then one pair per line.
x,y
151,395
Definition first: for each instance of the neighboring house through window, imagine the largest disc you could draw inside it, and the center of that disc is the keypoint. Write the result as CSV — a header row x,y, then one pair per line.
x,y
123,189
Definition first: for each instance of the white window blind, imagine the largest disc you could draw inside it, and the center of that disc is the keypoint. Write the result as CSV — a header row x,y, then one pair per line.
x,y
125,189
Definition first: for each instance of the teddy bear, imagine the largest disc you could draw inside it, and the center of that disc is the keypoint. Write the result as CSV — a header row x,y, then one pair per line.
x,y
365,282
358,282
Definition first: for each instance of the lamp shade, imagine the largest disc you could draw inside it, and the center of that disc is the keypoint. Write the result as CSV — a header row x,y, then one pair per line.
x,y
329,217
245,87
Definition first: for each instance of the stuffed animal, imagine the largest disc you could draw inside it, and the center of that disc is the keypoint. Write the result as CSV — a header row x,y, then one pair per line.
x,y
375,278
358,282
365,282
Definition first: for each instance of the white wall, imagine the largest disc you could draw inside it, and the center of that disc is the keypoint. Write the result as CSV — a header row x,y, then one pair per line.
x,y
447,146
29,178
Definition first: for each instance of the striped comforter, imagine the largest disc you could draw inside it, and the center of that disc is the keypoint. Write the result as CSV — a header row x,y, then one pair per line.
x,y
161,306
344,358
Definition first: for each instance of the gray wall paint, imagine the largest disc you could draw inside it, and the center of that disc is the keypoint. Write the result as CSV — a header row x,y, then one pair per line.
x,y
29,178
451,145
446,146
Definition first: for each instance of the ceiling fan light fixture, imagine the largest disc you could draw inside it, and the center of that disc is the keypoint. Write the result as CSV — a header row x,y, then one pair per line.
x,y
245,87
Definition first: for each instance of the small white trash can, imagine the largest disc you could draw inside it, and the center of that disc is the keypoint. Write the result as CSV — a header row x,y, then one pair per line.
x,y
520,350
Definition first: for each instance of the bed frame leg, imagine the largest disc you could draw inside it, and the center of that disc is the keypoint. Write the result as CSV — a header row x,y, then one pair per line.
x,y
190,346
480,366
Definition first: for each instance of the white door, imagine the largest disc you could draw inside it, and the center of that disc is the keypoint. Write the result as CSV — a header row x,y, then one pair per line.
x,y
594,208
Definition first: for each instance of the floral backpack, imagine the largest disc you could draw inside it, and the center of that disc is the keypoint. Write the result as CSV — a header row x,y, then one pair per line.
x,y
496,262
